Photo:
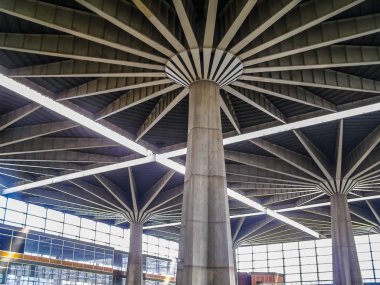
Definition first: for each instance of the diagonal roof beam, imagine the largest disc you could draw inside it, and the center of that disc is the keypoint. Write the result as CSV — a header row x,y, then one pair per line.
x,y
135,97
325,57
278,198
22,176
268,163
189,34
320,79
152,193
368,163
208,38
288,92
75,22
228,109
361,152
363,214
258,101
19,134
161,28
165,197
175,203
229,34
12,117
78,68
166,33
63,156
31,170
374,211
78,174
134,194
248,174
46,165
108,85
163,107
233,29
318,157
83,117
339,157
100,193
73,195
236,230
69,47
301,162
61,201
302,18
308,198
121,15
252,228
271,17
119,194
46,144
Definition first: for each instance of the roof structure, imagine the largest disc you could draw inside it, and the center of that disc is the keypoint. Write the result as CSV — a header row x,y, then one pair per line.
x,y
128,64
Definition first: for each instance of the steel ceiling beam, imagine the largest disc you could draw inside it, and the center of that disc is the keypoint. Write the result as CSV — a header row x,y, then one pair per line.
x,y
77,23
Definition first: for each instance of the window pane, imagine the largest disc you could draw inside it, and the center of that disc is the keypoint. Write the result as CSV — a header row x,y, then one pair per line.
x,y
55,215
36,210
14,218
16,205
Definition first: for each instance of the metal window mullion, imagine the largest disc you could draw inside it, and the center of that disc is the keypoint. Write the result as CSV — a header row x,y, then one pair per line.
x,y
372,261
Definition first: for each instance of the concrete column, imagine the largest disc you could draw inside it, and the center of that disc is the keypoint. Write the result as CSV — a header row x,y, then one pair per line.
x,y
135,261
206,256
234,248
346,268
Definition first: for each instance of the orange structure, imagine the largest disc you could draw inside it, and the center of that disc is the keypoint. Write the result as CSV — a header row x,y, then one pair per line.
x,y
260,278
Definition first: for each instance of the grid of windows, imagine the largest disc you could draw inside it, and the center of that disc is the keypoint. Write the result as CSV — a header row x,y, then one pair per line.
x,y
159,247
308,262
25,215
37,218
19,273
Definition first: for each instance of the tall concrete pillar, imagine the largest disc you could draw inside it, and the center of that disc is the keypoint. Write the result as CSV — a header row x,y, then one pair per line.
x,y
346,268
206,256
135,260
234,248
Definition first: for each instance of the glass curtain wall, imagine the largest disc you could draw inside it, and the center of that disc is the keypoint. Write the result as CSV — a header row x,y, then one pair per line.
x,y
25,215
308,262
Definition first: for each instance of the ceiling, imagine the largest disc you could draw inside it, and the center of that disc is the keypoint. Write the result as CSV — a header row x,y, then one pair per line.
x,y
109,60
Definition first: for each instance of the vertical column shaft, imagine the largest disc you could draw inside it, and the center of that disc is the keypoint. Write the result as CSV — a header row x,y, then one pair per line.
x,y
346,268
234,248
135,262
206,244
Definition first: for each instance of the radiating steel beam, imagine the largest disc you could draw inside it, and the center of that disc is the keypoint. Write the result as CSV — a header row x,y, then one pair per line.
x,y
69,47
319,79
326,57
288,92
78,68
122,15
258,101
78,23
228,109
11,117
54,144
302,18
109,85
163,106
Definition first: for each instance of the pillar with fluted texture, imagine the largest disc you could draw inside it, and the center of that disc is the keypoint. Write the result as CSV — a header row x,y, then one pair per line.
x,y
346,268
206,256
135,258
